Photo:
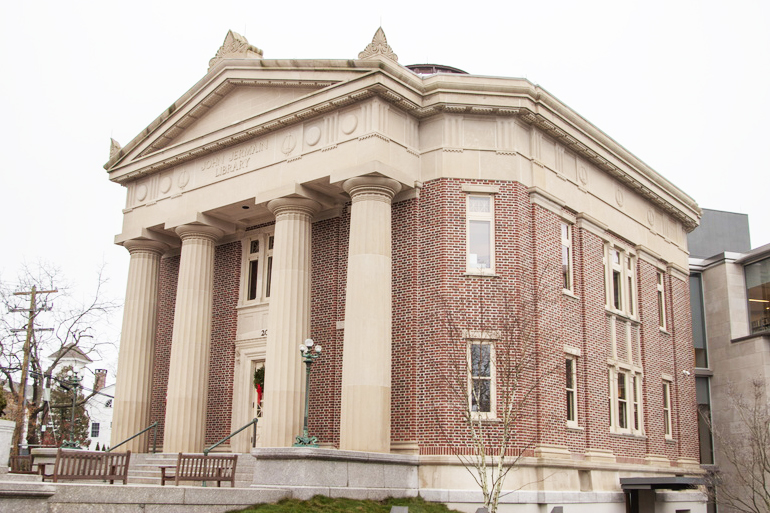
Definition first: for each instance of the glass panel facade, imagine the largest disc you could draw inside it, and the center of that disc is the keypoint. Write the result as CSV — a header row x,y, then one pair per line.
x,y
698,320
704,419
758,294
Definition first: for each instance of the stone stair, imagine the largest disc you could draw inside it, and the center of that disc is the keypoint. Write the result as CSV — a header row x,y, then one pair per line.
x,y
144,469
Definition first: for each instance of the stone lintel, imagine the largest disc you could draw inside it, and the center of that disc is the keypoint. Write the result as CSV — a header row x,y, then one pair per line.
x,y
372,168
201,219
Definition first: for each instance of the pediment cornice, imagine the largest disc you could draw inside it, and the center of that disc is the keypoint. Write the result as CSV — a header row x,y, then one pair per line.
x,y
213,98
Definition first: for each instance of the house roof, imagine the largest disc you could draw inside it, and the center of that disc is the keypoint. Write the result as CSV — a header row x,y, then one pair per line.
x,y
70,351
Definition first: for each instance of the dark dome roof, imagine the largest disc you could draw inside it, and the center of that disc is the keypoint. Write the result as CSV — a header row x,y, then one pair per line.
x,y
431,69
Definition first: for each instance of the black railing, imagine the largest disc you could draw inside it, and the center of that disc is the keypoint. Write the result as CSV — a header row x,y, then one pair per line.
x,y
153,426
252,422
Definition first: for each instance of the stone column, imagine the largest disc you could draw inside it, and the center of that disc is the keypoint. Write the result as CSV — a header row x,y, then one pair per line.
x,y
188,375
288,321
131,411
365,411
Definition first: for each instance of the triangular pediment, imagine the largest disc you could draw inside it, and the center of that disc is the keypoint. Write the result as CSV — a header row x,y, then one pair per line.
x,y
241,103
233,103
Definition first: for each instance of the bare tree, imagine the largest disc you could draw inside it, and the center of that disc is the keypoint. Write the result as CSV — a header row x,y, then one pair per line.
x,y
507,362
71,321
742,481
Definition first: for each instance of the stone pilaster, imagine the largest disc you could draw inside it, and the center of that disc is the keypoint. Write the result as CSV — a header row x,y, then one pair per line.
x,y
131,411
288,321
191,340
366,360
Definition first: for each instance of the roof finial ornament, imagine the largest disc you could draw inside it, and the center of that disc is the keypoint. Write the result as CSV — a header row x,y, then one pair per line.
x,y
235,45
378,46
114,147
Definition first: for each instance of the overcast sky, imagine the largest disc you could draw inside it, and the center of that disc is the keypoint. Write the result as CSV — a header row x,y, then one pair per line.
x,y
684,85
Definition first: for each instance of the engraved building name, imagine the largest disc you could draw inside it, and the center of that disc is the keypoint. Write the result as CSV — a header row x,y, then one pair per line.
x,y
236,160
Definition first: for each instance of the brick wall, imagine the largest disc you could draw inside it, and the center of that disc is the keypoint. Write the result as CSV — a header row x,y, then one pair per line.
x,y
167,279
434,299
224,319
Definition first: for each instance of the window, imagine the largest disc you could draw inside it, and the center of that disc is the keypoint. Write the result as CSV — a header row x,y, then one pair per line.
x,y
566,256
636,421
620,281
480,230
698,320
571,388
94,430
108,403
625,401
667,409
661,302
703,395
481,383
258,250
622,399
758,294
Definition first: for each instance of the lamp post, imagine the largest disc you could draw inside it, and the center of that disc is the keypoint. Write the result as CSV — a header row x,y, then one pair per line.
x,y
74,383
308,357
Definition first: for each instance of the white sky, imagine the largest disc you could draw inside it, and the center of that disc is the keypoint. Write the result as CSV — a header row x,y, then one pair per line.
x,y
684,85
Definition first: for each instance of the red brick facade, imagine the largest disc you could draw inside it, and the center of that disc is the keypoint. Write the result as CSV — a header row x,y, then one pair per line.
x,y
434,298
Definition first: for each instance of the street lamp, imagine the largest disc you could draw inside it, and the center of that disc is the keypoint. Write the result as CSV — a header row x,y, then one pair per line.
x,y
308,357
74,383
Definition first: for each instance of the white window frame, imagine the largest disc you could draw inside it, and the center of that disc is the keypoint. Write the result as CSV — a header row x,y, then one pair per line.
x,y
571,390
661,300
668,424
620,265
568,270
492,413
632,379
472,268
98,430
263,257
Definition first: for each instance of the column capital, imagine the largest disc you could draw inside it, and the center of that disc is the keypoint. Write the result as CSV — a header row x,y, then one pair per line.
x,y
198,231
145,246
377,188
293,206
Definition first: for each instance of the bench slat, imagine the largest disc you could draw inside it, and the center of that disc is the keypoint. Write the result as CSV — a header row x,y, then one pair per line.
x,y
105,466
196,467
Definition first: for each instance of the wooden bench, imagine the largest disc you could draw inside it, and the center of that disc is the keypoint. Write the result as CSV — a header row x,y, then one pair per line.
x,y
197,467
88,465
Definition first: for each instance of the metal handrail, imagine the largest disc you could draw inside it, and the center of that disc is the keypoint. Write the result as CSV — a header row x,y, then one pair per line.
x,y
228,437
153,426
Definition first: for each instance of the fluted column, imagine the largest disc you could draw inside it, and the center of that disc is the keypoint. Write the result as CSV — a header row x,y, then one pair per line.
x,y
366,359
288,321
188,375
131,411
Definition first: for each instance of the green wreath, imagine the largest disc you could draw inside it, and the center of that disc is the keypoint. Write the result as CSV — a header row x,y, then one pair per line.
x,y
259,377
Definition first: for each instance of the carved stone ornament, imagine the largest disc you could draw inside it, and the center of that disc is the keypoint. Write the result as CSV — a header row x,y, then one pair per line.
x,y
378,46
114,147
235,45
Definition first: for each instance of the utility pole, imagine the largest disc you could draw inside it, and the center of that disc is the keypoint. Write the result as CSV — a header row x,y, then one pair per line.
x,y
32,312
